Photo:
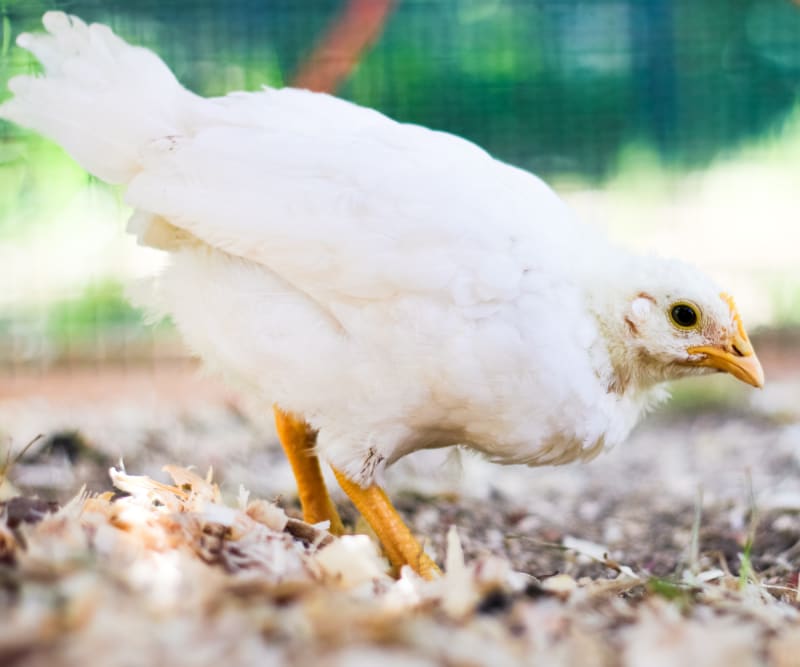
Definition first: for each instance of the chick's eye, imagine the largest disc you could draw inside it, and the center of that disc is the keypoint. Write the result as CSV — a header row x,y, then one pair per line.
x,y
684,315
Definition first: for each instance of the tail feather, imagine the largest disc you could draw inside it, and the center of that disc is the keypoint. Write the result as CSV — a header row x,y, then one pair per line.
x,y
102,99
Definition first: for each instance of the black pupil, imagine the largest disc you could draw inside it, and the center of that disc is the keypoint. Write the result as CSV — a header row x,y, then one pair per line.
x,y
684,315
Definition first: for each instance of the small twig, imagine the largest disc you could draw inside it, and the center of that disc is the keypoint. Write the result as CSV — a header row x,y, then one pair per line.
x,y
746,572
722,561
694,546
537,542
777,587
9,463
307,533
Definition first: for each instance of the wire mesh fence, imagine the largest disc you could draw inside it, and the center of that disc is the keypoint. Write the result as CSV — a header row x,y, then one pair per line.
x,y
570,89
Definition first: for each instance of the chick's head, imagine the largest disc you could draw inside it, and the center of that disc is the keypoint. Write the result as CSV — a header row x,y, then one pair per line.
x,y
683,324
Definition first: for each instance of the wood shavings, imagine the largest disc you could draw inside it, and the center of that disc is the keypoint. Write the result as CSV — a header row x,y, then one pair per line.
x,y
561,585
193,578
558,567
458,597
352,560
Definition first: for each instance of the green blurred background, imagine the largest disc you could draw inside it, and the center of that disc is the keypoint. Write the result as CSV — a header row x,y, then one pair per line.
x,y
673,124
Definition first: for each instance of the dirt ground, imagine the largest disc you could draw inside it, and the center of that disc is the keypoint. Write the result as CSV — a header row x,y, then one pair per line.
x,y
680,548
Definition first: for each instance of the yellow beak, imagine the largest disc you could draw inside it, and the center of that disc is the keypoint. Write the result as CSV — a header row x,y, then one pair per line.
x,y
736,357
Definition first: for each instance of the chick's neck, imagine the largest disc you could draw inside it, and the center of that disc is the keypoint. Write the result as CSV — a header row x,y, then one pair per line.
x,y
621,359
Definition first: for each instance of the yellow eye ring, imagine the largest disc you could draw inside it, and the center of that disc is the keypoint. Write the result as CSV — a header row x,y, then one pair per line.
x,y
684,315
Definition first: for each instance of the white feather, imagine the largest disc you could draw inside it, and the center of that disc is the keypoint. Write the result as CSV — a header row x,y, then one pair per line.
x,y
100,98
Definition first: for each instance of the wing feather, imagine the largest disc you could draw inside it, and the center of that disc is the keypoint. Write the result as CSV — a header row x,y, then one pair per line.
x,y
345,203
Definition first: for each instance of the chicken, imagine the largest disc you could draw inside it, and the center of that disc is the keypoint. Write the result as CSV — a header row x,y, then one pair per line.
x,y
386,287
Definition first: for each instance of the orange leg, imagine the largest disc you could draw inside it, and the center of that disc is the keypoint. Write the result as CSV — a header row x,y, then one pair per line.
x,y
399,544
298,440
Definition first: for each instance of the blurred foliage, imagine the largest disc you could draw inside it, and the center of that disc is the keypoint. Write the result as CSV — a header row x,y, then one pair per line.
x,y
561,87
100,303
705,394
786,302
553,85
31,167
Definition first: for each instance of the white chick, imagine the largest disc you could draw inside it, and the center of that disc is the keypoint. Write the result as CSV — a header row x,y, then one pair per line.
x,y
387,287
